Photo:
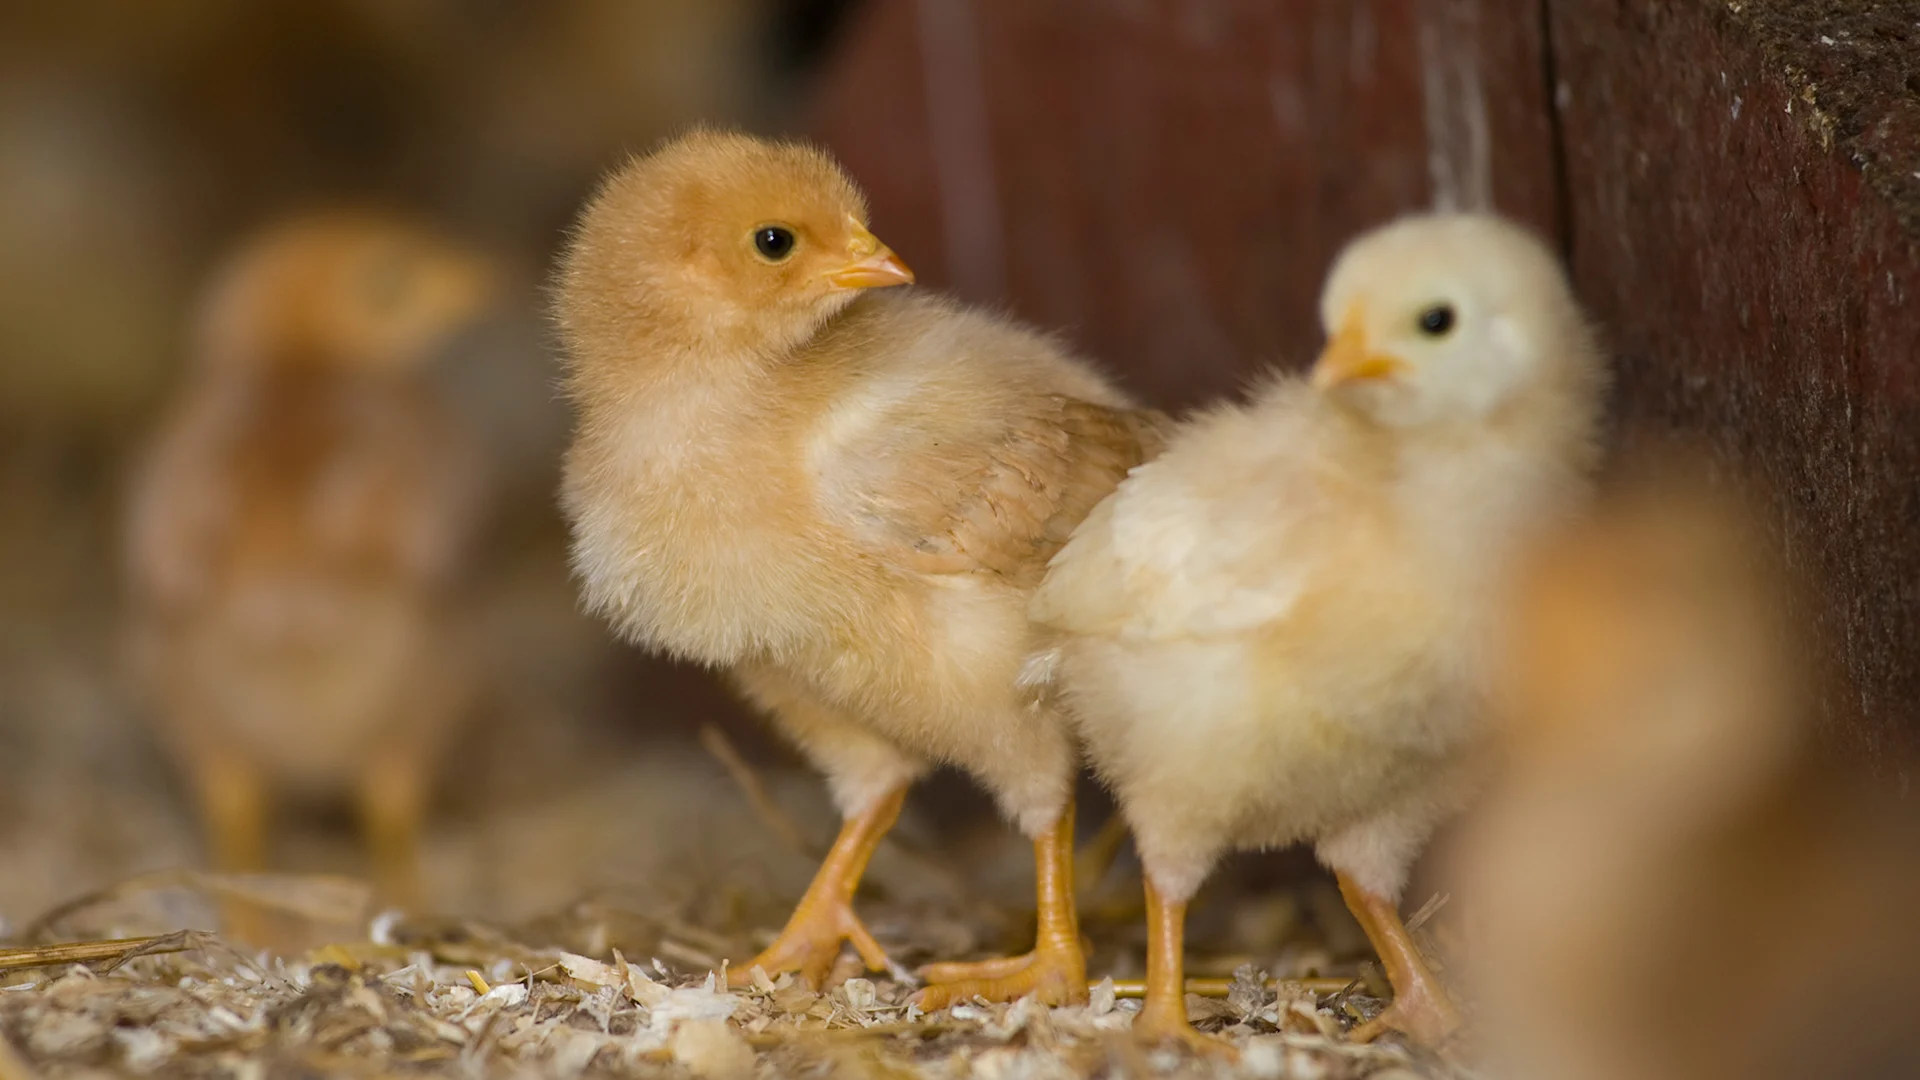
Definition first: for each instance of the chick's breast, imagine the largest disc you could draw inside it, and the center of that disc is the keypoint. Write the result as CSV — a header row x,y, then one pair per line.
x,y
290,544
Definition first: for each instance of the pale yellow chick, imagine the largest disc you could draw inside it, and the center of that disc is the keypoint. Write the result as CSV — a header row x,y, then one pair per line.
x,y
1273,632
841,497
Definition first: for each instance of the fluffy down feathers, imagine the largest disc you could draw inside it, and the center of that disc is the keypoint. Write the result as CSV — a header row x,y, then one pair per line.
x,y
841,497
854,490
1272,632
300,520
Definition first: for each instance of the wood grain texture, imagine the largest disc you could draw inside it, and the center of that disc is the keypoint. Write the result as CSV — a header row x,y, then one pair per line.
x,y
1760,291
1166,182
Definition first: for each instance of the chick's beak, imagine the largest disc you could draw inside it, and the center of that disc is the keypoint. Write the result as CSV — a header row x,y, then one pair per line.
x,y
873,264
1347,358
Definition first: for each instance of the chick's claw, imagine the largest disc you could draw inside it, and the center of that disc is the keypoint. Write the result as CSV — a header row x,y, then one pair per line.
x,y
811,943
999,967
1056,976
1420,1012
1159,1027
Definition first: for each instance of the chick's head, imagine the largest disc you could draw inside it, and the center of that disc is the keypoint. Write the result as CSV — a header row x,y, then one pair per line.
x,y
724,240
342,289
1441,320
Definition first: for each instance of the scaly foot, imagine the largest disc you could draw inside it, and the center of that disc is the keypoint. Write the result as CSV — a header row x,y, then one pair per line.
x,y
960,970
1420,1008
1055,973
811,943
1056,970
1159,1026
1163,1017
824,919
1420,1012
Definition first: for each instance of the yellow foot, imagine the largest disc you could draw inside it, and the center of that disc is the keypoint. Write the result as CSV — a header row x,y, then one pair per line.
x,y
811,943
1057,975
1425,1017
1154,1027
960,971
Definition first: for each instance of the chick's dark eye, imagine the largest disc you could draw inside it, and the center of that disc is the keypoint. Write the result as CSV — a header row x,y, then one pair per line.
x,y
774,242
1437,320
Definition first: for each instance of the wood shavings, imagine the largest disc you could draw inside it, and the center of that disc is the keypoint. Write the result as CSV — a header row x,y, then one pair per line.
x,y
440,997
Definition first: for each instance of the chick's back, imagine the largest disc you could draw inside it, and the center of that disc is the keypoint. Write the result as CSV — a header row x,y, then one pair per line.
x,y
959,442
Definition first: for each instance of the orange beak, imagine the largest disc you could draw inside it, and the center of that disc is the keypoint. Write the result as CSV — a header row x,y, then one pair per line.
x,y
1348,359
873,264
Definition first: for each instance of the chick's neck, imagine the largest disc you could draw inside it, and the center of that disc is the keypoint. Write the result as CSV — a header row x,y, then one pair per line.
x,y
670,348
1472,491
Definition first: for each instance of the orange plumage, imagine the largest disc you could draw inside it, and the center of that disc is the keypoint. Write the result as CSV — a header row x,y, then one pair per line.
x,y
1665,818
298,528
839,496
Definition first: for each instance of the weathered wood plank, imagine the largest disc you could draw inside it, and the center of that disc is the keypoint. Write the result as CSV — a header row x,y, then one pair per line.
x,y
1166,181
1761,289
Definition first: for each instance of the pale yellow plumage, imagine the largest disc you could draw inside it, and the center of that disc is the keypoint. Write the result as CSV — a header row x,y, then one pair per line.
x,y
1272,632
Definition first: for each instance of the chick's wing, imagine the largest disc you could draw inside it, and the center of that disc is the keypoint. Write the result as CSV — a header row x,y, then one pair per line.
x,y
1209,541
1001,492
277,479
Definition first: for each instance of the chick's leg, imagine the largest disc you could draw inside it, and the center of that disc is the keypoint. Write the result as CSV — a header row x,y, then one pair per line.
x,y
392,799
233,813
396,781
1163,1016
233,809
1420,1006
1056,969
824,918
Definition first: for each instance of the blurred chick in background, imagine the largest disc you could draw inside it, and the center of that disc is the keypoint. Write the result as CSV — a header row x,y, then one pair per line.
x,y
840,496
1668,884
297,530
1272,632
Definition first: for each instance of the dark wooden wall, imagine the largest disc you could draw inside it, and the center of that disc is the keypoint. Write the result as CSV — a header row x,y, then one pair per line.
x,y
1165,181
1736,186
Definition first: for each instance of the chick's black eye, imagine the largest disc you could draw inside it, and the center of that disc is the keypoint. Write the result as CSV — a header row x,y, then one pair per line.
x,y
1437,320
774,242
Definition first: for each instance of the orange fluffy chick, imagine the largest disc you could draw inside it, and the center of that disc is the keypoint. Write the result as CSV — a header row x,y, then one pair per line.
x,y
1662,817
1270,633
296,531
839,493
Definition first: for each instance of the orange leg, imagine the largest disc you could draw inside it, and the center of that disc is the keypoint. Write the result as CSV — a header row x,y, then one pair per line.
x,y
233,813
233,809
392,799
1163,1016
824,918
1420,1007
1056,969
